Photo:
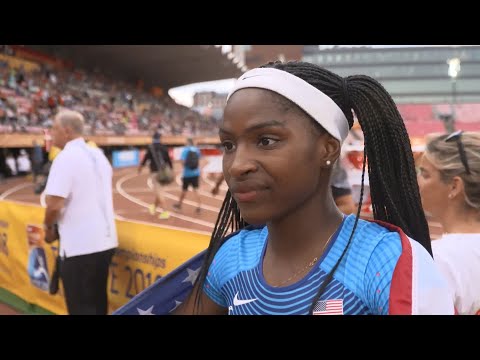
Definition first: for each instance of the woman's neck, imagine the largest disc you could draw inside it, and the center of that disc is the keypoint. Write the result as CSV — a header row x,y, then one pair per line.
x,y
461,221
306,229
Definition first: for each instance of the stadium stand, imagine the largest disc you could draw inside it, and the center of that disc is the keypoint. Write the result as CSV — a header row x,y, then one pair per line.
x,y
29,99
422,119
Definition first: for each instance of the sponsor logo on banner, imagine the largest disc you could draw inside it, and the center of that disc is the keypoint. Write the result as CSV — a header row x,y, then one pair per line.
x,y
37,267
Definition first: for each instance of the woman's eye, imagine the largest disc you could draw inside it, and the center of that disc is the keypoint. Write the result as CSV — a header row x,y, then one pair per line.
x,y
267,141
228,146
422,173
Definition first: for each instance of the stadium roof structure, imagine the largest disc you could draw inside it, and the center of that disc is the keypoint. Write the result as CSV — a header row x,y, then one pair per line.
x,y
166,66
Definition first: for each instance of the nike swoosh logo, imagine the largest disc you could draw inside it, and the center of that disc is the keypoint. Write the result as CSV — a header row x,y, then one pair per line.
x,y
248,77
238,302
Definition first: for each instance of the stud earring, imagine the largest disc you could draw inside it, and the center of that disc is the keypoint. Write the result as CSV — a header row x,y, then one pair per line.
x,y
328,162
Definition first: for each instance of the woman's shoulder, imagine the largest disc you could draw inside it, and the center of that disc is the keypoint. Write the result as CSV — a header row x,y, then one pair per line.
x,y
373,242
369,234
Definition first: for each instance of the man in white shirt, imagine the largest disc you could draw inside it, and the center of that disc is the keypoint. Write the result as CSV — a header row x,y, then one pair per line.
x,y
79,199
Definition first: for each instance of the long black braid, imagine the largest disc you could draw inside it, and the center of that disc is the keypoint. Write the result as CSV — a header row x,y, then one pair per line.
x,y
393,184
228,219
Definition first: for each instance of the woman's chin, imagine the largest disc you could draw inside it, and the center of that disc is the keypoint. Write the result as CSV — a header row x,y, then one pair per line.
x,y
253,218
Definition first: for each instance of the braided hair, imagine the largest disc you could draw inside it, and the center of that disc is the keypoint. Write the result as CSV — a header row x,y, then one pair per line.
x,y
393,184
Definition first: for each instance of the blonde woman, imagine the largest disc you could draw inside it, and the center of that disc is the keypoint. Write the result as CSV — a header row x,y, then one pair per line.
x,y
449,181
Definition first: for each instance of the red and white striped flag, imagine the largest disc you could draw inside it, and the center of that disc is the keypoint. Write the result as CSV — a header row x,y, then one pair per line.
x,y
329,307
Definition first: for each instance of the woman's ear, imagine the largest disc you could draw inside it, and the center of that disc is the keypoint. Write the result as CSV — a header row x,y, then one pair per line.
x,y
456,187
329,150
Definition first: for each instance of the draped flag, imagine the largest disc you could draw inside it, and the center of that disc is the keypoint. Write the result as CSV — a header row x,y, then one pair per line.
x,y
167,293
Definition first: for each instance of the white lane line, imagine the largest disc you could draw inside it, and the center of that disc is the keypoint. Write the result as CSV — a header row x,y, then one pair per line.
x,y
122,218
176,198
9,192
118,186
134,190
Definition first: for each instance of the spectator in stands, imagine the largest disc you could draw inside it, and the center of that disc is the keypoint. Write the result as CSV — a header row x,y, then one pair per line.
x,y
157,156
20,76
191,173
79,199
449,180
24,164
9,50
104,103
283,128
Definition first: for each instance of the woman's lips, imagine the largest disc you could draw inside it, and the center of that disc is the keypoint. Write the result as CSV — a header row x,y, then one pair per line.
x,y
248,196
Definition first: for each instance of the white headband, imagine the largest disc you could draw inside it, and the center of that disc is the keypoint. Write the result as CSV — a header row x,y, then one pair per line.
x,y
314,102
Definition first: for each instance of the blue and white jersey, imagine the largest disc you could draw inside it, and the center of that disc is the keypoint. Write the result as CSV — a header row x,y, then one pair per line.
x,y
383,272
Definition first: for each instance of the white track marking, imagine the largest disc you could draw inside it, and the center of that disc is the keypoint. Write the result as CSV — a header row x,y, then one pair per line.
x,y
118,186
135,190
9,192
176,198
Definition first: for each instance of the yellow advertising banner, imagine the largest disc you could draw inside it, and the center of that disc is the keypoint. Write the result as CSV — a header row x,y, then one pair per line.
x,y
25,268
145,253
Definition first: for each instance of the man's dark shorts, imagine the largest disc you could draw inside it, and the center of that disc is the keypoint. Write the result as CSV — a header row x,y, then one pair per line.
x,y
193,181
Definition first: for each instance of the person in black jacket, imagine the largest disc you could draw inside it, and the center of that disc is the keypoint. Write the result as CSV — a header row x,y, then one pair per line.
x,y
157,154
